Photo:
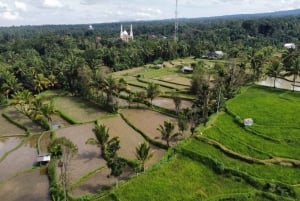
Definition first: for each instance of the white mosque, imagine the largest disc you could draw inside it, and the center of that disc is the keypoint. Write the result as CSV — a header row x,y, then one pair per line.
x,y
124,34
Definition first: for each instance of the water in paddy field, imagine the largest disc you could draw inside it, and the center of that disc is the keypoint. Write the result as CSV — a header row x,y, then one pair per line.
x,y
279,83
17,158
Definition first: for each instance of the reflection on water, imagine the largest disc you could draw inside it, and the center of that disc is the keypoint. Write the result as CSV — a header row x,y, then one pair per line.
x,y
19,159
279,83
8,143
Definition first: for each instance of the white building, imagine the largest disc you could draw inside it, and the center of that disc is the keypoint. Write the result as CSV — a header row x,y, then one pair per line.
x,y
290,45
124,34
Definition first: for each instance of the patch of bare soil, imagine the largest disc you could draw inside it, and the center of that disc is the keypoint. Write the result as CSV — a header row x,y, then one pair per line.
x,y
8,128
24,120
19,160
177,79
168,103
129,138
88,157
148,121
30,186
8,143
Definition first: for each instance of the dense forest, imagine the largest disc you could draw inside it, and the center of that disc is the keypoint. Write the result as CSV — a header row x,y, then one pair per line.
x,y
66,56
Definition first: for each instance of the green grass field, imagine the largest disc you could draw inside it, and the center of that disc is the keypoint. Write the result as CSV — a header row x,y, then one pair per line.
x,y
180,179
244,169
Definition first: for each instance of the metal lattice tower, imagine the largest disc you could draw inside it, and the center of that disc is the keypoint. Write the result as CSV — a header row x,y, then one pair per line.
x,y
176,22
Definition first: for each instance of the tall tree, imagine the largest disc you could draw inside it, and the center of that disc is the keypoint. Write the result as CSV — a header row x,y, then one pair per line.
x,y
167,131
294,70
152,91
177,102
142,153
63,149
274,70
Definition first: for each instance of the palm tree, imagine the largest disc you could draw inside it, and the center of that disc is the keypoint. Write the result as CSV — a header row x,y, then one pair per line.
x,y
177,102
22,100
256,61
102,136
10,84
48,110
294,70
274,70
109,87
152,91
40,82
166,131
142,153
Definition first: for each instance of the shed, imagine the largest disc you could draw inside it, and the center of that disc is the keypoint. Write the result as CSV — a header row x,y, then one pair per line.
x,y
187,69
43,158
248,122
290,45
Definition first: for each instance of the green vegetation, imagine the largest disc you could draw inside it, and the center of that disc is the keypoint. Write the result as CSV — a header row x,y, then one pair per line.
x,y
256,164
64,69
181,178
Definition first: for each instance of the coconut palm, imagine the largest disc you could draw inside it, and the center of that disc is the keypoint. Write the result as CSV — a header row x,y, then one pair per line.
x,y
40,82
152,91
48,110
10,84
142,153
167,131
102,136
177,102
274,70
294,70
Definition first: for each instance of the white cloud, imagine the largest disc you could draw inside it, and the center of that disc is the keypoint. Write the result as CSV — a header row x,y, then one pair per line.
x,y
9,15
3,6
21,6
52,4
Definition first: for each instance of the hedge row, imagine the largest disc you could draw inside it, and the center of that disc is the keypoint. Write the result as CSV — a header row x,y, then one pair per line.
x,y
184,85
163,85
151,141
67,117
55,189
277,188
16,123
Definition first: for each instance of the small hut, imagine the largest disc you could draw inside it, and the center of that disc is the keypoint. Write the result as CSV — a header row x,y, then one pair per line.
x,y
248,122
43,158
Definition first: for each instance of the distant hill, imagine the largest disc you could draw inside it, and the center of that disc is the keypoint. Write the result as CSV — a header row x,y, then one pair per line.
x,y
284,13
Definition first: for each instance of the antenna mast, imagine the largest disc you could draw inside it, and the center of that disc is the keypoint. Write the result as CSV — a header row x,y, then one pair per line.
x,y
176,22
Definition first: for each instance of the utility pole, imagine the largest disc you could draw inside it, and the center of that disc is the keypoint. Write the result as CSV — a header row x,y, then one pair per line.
x,y
176,22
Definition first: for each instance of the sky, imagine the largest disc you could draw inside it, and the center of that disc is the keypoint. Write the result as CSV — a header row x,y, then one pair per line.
x,y
39,12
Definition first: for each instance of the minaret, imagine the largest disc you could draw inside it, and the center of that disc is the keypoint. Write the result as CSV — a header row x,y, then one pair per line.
x,y
131,32
121,31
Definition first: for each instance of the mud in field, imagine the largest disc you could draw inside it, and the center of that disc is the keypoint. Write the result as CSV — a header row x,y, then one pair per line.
x,y
148,121
8,128
168,103
30,186
88,157
129,138
24,120
176,79
19,160
58,122
78,109
95,183
8,143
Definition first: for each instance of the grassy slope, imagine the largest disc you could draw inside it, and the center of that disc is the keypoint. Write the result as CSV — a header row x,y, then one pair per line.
x,y
179,179
276,116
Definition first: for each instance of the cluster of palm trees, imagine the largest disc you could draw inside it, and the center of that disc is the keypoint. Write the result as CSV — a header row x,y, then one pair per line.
x,y
109,147
288,64
34,107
